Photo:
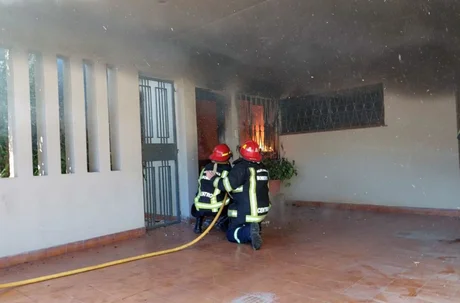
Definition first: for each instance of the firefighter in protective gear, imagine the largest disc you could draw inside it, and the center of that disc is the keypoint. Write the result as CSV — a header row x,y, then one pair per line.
x,y
209,199
248,184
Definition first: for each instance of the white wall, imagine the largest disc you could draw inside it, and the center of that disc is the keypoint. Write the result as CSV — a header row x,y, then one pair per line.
x,y
187,143
412,162
44,211
41,212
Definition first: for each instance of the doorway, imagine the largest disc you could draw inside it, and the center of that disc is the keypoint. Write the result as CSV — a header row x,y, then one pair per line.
x,y
210,118
159,152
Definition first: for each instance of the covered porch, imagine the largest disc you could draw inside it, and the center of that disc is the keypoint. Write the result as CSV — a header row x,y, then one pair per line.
x,y
109,108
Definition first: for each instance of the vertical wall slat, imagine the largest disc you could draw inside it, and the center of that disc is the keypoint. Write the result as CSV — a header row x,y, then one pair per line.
x,y
114,112
128,98
100,130
49,91
19,99
75,116
91,117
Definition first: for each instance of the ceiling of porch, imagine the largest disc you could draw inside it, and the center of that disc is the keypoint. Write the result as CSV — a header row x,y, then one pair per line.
x,y
296,45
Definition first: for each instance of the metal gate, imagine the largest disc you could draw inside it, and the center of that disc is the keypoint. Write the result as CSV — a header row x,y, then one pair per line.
x,y
159,152
259,122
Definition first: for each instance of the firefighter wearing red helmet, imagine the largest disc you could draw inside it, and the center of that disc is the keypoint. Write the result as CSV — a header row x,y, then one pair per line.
x,y
248,184
209,199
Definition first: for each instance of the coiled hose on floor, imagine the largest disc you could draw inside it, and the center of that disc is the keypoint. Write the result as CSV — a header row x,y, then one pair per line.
x,y
116,262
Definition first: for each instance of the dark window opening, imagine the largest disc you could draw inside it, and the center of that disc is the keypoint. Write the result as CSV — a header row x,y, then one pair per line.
x,y
360,107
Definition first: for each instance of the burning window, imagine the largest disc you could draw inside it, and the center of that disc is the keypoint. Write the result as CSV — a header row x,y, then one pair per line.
x,y
259,122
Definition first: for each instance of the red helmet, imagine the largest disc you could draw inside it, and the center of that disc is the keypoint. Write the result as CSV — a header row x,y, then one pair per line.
x,y
221,153
250,151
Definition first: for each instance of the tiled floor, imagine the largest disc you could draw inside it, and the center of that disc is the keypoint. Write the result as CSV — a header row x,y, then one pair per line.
x,y
309,255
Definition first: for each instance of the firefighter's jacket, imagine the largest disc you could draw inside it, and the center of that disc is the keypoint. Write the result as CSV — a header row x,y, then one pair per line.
x,y
247,183
209,198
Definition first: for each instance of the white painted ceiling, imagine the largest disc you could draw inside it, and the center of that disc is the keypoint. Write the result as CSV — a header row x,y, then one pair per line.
x,y
291,43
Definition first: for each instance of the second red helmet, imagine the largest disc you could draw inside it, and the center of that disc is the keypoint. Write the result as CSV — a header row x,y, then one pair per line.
x,y
221,153
250,151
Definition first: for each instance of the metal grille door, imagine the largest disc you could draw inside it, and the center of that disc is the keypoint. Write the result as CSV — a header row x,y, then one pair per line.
x,y
159,153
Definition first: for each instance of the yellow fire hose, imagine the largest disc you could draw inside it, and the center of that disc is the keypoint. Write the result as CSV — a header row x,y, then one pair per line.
x,y
117,262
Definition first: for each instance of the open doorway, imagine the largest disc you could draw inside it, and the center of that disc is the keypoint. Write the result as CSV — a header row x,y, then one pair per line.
x,y
210,118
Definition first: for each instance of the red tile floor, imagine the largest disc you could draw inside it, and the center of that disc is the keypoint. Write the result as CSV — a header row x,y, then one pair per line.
x,y
309,255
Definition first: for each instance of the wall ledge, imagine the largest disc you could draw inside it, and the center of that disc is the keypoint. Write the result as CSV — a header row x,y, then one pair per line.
x,y
379,208
41,254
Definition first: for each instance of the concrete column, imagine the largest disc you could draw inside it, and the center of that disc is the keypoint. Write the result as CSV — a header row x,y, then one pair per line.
x,y
127,117
187,141
19,114
232,135
101,133
75,124
47,85
114,112
92,107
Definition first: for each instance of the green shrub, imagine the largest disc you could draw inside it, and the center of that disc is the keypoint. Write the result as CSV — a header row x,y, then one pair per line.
x,y
280,169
